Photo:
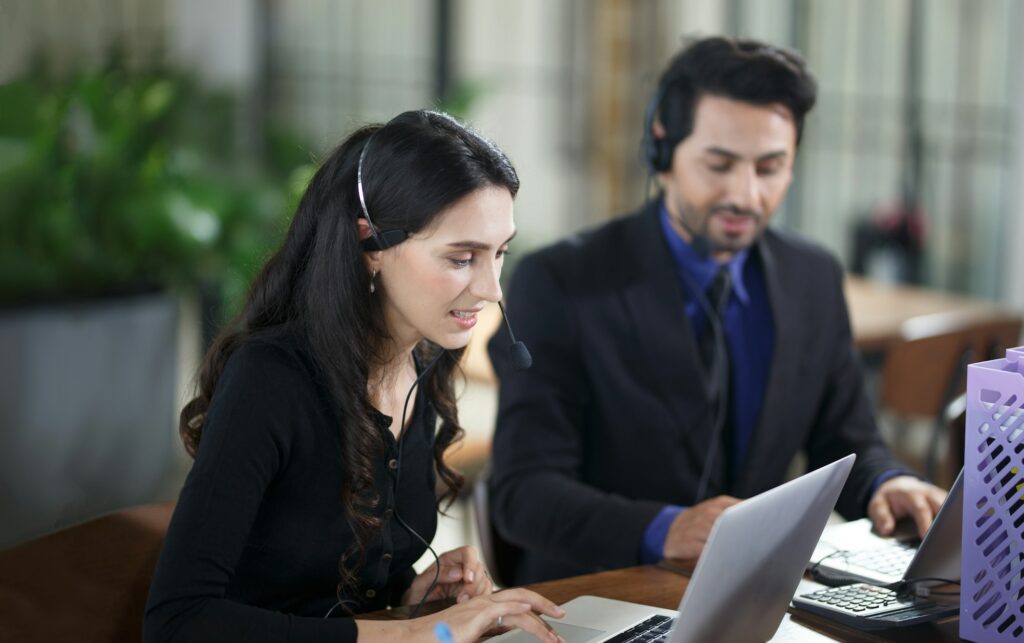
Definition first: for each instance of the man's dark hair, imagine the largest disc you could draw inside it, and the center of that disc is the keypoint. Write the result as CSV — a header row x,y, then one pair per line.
x,y
744,70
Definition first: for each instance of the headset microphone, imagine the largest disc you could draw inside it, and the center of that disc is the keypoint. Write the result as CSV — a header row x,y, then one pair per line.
x,y
521,357
700,243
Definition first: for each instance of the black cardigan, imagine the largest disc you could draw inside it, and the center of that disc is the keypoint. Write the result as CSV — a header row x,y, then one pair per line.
x,y
252,551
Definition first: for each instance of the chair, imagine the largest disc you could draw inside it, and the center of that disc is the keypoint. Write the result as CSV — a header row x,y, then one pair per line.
x,y
500,556
86,583
925,370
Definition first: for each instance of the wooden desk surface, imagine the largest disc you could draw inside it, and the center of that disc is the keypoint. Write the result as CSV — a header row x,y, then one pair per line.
x,y
878,311
657,586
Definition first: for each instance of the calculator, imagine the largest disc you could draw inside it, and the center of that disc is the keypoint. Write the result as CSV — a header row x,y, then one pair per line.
x,y
866,607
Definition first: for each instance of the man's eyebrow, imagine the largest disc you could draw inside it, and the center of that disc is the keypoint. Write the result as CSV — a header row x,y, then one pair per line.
x,y
729,154
771,156
477,245
721,151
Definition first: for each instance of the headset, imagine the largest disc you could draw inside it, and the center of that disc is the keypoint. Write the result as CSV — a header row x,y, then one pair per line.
x,y
379,240
657,156
656,151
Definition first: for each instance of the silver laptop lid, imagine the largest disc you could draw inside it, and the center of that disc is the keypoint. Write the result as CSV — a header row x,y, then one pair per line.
x,y
939,553
754,558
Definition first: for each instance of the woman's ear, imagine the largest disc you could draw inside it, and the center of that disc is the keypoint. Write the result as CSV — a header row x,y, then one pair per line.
x,y
372,259
364,228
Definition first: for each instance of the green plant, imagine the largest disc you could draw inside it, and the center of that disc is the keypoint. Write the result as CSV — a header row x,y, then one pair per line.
x,y
113,182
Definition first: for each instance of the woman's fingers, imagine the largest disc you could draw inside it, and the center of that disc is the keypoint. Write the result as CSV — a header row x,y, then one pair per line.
x,y
532,624
450,573
536,602
480,585
463,559
514,608
463,565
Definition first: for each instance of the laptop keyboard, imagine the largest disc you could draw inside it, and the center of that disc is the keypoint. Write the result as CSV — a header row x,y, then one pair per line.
x,y
891,561
656,628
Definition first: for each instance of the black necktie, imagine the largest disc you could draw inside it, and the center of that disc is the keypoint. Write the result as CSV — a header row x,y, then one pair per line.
x,y
716,361
717,296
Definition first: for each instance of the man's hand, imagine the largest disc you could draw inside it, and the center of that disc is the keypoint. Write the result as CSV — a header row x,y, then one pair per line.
x,y
690,529
904,496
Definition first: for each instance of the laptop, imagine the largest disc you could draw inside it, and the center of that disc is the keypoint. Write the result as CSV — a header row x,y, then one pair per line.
x,y
869,571
744,579
851,552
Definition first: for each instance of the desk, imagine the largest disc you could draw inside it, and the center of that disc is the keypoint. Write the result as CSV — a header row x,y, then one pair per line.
x,y
657,586
878,310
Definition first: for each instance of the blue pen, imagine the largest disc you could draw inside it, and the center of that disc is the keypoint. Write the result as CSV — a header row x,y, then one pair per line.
x,y
443,633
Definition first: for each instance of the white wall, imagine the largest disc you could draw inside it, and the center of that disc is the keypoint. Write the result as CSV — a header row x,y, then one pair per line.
x,y
529,56
1014,257
216,39
71,35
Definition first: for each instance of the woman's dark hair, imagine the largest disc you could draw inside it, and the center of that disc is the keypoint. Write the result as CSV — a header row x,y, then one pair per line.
x,y
317,287
743,70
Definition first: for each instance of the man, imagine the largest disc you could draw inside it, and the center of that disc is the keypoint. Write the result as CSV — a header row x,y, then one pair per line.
x,y
685,353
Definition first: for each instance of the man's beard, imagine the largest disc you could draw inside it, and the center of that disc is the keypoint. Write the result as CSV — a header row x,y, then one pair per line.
x,y
700,223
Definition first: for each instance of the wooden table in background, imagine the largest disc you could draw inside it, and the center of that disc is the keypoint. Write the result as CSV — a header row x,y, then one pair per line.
x,y
878,311
659,587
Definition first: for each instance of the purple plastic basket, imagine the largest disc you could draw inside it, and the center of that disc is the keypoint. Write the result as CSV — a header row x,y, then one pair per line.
x,y
992,572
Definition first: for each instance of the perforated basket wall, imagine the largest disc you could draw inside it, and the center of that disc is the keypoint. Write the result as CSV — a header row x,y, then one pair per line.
x,y
992,573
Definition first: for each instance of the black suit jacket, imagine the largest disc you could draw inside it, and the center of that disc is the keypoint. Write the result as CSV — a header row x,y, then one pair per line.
x,y
613,420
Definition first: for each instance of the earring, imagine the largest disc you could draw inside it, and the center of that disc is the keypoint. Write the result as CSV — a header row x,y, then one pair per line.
x,y
373,286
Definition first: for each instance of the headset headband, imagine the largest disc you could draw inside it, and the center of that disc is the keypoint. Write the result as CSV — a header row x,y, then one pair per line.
x,y
379,240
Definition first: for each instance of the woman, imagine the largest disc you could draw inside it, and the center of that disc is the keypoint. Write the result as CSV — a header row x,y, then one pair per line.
x,y
312,492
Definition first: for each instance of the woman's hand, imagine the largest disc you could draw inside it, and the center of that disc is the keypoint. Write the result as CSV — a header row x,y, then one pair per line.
x,y
462,577
473,618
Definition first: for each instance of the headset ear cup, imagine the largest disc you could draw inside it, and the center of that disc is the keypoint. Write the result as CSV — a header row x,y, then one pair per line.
x,y
657,151
657,154
662,155
650,151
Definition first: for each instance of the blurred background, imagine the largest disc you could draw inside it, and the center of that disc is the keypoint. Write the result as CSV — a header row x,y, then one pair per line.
x,y
151,152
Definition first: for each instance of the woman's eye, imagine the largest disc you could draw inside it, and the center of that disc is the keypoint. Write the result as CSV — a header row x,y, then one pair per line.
x,y
460,262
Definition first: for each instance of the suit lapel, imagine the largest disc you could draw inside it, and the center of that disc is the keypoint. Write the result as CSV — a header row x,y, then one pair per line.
x,y
784,369
662,331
